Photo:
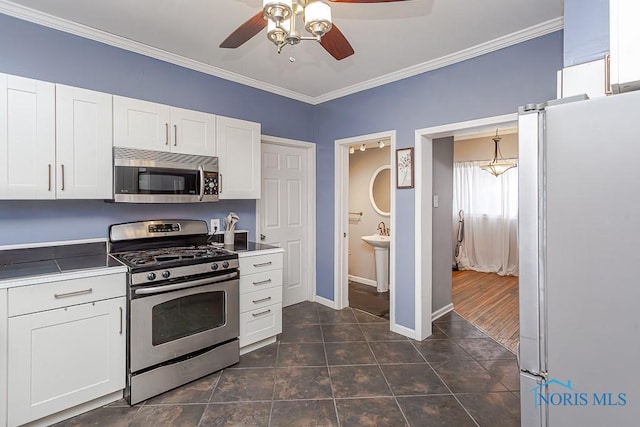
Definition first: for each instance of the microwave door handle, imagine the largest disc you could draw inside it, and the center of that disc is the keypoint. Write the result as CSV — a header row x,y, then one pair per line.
x,y
201,170
185,285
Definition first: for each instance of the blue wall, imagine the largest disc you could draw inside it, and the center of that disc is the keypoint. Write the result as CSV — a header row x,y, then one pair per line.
x,y
38,52
489,85
586,31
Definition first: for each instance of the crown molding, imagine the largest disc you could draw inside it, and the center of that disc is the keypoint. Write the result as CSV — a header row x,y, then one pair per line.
x,y
31,15
472,52
36,17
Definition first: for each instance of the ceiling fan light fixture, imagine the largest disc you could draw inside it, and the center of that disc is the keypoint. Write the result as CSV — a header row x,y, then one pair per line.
x,y
277,10
277,33
317,18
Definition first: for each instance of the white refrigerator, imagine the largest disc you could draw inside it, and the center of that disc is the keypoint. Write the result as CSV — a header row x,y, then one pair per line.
x,y
579,248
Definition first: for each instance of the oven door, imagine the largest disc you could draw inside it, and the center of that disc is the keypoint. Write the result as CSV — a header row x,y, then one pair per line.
x,y
170,321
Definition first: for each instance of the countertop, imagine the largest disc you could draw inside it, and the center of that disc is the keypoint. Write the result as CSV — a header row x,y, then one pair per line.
x,y
254,248
29,266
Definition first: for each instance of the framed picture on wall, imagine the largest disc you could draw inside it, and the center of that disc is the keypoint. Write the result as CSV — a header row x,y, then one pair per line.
x,y
404,168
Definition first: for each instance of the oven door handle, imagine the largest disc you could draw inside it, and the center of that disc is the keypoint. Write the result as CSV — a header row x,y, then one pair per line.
x,y
185,285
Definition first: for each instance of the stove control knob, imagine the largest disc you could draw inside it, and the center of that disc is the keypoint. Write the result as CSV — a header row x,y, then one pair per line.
x,y
214,266
166,274
151,276
225,264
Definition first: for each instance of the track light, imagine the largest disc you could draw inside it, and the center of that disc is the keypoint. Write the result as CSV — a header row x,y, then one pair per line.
x,y
380,144
363,147
352,150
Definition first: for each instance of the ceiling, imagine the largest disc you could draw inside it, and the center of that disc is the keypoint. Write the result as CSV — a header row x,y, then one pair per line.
x,y
392,40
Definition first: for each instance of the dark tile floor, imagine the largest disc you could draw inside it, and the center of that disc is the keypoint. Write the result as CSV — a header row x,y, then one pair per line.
x,y
343,368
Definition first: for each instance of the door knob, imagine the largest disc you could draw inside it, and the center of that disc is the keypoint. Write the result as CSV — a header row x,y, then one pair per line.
x,y
262,237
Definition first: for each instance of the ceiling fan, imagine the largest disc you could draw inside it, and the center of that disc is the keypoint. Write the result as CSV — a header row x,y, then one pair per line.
x,y
279,16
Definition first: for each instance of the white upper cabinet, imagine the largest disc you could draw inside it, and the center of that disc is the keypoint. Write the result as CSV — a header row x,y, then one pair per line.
x,y
150,126
194,132
27,138
239,156
624,37
83,144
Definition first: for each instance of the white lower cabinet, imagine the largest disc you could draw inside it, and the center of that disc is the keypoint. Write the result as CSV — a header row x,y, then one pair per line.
x,y
260,298
65,356
3,357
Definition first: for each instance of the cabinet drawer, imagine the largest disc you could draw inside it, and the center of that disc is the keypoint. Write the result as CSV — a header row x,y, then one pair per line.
x,y
47,296
259,324
258,281
262,298
258,263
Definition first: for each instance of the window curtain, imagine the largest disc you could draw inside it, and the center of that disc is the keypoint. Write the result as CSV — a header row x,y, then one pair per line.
x,y
490,206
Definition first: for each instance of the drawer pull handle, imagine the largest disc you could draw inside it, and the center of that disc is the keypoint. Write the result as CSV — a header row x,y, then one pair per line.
x,y
263,264
120,320
256,301
262,282
73,294
261,313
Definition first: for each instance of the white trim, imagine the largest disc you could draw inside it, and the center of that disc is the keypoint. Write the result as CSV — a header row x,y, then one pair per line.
x,y
341,224
90,33
423,217
469,53
256,345
326,302
60,243
363,280
441,312
311,212
403,330
87,32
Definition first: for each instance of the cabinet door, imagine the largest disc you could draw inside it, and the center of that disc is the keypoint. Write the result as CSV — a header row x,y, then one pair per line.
x,y
239,155
84,152
624,36
3,357
27,138
141,124
64,357
193,132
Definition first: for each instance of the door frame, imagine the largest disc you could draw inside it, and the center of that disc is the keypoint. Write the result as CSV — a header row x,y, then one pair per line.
x,y
424,217
310,149
341,242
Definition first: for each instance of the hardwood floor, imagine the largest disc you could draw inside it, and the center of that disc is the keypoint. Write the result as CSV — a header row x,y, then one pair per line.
x,y
490,302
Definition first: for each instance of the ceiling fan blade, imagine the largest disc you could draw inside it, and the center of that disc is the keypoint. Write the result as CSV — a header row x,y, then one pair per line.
x,y
336,44
244,32
364,1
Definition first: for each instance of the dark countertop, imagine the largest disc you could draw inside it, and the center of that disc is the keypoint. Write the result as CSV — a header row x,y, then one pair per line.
x,y
22,263
253,246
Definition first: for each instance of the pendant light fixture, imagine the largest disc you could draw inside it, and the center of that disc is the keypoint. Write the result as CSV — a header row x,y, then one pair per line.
x,y
499,164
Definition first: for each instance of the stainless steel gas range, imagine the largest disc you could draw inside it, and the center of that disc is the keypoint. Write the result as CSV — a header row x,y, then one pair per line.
x,y
183,304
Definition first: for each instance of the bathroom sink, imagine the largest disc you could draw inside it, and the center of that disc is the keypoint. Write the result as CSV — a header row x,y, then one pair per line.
x,y
377,241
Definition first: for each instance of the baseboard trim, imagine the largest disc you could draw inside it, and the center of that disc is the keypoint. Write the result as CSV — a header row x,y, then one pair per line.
x,y
363,280
441,312
403,330
326,302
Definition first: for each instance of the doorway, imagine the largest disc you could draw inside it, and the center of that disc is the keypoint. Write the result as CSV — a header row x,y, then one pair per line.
x,y
428,309
285,214
347,215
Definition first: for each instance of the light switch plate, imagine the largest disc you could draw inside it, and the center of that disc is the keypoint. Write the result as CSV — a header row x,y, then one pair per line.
x,y
435,201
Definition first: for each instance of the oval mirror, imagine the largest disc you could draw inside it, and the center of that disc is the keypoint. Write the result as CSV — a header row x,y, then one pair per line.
x,y
380,190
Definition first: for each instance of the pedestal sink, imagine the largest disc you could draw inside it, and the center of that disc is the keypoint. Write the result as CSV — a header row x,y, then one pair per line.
x,y
381,250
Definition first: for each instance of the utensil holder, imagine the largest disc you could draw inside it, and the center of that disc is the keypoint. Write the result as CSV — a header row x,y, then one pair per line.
x,y
229,237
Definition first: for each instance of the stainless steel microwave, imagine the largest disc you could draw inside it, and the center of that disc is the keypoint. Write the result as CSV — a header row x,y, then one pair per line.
x,y
145,176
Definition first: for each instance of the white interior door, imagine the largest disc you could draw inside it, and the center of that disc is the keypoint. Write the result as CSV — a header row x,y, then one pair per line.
x,y
283,214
